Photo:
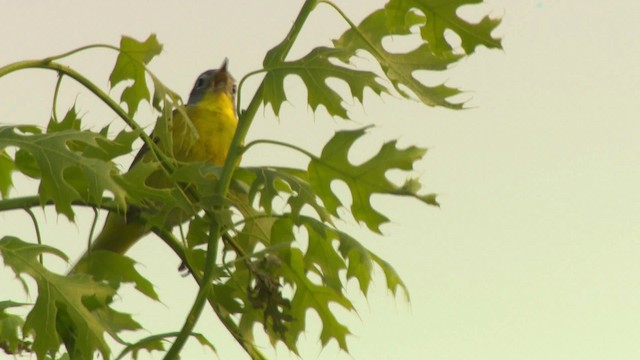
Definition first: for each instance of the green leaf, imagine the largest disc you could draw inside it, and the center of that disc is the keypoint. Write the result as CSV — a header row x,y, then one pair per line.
x,y
284,317
6,168
67,174
71,121
436,17
6,304
202,176
225,297
361,262
155,342
120,145
314,69
130,65
73,308
198,232
394,282
163,206
148,344
10,340
321,257
26,164
312,296
164,99
115,269
399,67
278,182
363,180
63,356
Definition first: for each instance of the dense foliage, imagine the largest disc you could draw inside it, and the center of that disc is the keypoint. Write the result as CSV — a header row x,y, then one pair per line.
x,y
240,248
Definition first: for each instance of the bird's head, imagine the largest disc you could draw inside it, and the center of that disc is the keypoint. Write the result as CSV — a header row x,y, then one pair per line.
x,y
213,81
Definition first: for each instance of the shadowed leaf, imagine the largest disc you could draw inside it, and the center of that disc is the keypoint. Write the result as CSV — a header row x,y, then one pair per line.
x,y
67,174
64,302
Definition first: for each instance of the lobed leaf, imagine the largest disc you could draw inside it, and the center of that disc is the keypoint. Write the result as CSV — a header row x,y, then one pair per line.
x,y
64,302
309,295
155,342
358,259
279,182
363,180
285,320
130,65
436,17
314,69
159,206
71,121
399,67
115,269
68,174
10,340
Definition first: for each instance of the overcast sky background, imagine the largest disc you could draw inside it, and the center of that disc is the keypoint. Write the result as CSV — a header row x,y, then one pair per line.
x,y
534,252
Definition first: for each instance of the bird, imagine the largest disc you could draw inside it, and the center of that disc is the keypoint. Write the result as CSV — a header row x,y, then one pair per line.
x,y
211,112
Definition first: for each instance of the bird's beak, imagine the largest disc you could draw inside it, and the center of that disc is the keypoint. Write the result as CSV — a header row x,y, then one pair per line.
x,y
223,67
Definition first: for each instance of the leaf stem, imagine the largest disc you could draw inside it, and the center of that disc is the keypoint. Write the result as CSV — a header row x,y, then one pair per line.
x,y
37,229
280,143
93,228
24,202
56,91
83,48
241,84
354,27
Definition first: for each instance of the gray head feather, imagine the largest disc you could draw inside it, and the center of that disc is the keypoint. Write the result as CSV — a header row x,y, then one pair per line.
x,y
200,87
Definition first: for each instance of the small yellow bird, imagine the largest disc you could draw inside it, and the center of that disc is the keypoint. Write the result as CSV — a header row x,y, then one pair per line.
x,y
212,113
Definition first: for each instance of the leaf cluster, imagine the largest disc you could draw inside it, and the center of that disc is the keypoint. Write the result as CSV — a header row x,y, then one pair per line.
x,y
262,242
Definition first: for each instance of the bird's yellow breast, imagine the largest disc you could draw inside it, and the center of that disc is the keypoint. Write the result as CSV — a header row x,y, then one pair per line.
x,y
214,122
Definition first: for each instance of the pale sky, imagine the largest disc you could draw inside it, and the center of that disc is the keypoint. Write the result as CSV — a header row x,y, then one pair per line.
x,y
534,252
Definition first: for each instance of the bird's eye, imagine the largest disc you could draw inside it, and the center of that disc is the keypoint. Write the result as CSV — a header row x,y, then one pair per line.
x,y
200,82
234,89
